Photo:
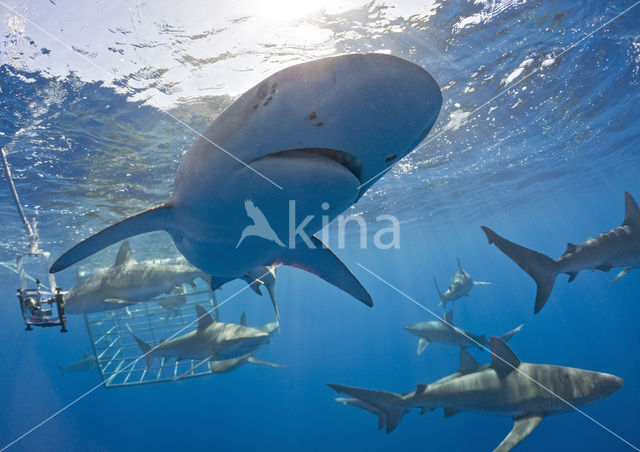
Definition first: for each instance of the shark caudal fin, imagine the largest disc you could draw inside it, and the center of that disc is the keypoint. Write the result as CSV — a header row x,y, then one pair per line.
x,y
506,336
144,348
391,404
541,268
150,220
321,262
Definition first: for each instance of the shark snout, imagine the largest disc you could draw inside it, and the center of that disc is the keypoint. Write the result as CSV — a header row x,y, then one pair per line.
x,y
413,329
611,384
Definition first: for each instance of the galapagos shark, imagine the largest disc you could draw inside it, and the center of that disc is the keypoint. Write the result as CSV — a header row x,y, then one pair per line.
x,y
210,340
323,132
229,365
127,282
461,285
619,247
444,332
525,392
88,362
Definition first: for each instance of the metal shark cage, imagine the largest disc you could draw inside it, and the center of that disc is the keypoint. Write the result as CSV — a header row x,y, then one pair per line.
x,y
119,357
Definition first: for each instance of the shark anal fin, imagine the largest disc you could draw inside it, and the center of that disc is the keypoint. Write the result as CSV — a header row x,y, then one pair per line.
x,y
522,427
422,344
503,360
632,212
323,263
150,220
448,412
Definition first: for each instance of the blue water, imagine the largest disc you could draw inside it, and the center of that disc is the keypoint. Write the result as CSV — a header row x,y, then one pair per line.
x,y
543,166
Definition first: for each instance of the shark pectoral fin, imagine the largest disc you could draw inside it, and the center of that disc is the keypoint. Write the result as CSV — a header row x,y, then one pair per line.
x,y
459,264
482,283
442,298
264,363
323,263
623,273
522,427
541,268
150,220
467,363
448,412
506,336
272,295
201,363
422,344
121,301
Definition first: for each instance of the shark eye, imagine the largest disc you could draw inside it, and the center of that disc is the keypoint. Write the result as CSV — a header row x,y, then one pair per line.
x,y
391,158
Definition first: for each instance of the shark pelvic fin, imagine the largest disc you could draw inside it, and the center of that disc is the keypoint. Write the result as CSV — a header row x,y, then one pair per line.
x,y
522,427
323,263
448,412
540,267
623,273
632,212
263,363
124,256
150,220
503,360
467,363
204,318
422,344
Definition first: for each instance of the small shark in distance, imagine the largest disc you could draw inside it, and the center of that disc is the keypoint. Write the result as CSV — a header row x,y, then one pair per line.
x,y
508,387
619,247
88,362
461,285
210,340
444,332
127,283
229,365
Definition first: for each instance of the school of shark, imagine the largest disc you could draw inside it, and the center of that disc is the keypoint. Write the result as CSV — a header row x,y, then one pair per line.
x,y
317,136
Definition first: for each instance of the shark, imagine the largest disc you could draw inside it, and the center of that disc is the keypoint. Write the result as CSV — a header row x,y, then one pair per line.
x,y
461,285
127,282
508,387
210,340
229,365
88,362
304,144
618,247
444,332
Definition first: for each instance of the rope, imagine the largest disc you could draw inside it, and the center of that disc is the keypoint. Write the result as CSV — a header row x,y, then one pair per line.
x,y
32,231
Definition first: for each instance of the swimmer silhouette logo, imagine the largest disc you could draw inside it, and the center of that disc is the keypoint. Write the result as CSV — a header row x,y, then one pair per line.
x,y
260,227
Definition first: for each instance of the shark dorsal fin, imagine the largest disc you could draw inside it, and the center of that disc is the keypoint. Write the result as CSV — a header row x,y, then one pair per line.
x,y
204,318
448,317
421,388
243,319
503,360
124,255
631,211
571,248
467,363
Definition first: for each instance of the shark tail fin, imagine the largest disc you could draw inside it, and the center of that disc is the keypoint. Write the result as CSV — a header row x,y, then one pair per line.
x,y
443,300
391,404
150,220
144,348
541,268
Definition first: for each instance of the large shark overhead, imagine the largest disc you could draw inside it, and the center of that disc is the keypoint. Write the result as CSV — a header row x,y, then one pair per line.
x,y
323,131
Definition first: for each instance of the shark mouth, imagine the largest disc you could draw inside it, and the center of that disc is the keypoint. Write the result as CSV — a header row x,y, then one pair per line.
x,y
343,158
